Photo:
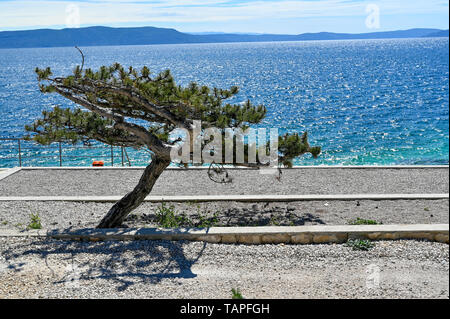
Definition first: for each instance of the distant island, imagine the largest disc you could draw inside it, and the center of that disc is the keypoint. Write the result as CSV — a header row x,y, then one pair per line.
x,y
103,36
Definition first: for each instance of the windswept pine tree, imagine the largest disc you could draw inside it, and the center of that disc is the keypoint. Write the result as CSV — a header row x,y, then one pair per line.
x,y
131,108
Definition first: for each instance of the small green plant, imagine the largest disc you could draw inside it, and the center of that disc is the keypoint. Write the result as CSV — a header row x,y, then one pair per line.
x,y
166,217
360,221
426,209
274,221
19,225
35,222
236,294
4,222
205,222
360,244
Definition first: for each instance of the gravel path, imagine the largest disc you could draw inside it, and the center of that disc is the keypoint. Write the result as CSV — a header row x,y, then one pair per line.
x,y
143,269
88,214
245,182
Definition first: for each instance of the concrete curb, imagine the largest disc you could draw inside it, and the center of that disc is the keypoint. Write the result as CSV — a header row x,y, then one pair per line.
x,y
234,198
252,235
9,233
247,168
5,173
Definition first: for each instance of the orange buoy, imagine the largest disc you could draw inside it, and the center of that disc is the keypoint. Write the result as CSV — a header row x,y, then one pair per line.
x,y
98,163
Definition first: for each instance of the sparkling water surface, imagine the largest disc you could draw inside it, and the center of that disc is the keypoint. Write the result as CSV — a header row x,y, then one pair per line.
x,y
366,102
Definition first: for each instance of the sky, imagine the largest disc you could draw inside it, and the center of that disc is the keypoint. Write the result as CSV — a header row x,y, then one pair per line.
x,y
249,16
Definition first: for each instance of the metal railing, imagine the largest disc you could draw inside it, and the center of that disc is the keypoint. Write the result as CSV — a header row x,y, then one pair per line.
x,y
18,152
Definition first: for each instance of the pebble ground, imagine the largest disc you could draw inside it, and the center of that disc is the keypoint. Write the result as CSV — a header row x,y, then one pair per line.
x,y
31,268
245,182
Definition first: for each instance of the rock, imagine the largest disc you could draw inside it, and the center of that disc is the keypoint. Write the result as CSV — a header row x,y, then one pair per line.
x,y
210,239
301,239
335,238
276,239
229,239
443,238
249,239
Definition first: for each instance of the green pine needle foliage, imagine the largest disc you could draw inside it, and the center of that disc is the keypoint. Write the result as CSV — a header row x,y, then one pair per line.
x,y
133,108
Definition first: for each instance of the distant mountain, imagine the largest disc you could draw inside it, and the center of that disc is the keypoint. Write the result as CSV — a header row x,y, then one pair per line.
x,y
92,36
101,36
215,33
442,33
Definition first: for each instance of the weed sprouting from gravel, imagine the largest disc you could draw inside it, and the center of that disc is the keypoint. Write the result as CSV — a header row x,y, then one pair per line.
x,y
236,294
360,244
206,222
361,221
274,221
35,222
166,217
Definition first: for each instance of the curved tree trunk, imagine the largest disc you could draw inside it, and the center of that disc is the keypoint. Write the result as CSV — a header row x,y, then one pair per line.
x,y
132,200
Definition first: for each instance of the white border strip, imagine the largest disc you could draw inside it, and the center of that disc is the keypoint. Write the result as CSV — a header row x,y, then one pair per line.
x,y
8,172
234,198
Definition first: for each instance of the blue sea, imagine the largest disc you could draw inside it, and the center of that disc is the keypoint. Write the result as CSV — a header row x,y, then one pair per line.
x,y
365,102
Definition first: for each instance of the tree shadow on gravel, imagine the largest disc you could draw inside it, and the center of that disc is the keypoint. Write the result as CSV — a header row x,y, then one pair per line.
x,y
231,217
124,262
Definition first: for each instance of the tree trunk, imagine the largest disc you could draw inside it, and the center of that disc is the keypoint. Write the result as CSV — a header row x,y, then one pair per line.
x,y
132,200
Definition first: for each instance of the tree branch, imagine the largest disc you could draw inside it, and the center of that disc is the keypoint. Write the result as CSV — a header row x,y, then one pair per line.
x,y
147,138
